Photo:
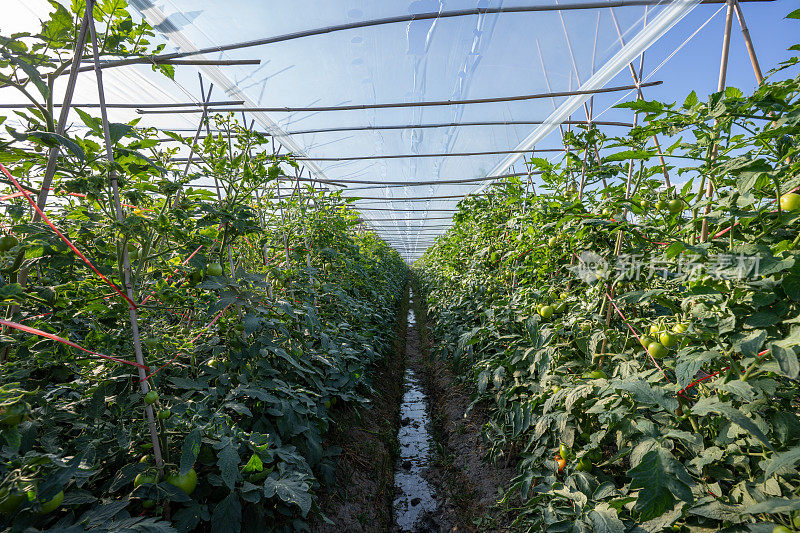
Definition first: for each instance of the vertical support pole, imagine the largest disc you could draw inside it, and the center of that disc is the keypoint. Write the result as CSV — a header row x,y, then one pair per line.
x,y
208,126
126,265
748,42
61,126
636,79
723,72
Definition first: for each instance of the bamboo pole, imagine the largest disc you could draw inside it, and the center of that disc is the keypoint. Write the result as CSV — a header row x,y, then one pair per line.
x,y
723,71
393,105
126,266
748,42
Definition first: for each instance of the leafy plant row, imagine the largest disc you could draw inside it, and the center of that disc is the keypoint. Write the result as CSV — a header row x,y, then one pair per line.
x,y
638,375
261,311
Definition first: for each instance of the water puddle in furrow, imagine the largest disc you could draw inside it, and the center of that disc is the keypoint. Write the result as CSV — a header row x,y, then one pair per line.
x,y
414,496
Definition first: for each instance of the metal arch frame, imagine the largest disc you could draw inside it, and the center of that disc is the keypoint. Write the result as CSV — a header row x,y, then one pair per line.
x,y
393,105
393,20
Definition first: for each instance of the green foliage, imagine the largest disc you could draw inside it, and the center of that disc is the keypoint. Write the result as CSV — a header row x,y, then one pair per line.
x,y
704,438
250,363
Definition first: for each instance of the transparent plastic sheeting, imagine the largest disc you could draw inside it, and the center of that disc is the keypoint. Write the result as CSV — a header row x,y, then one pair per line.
x,y
467,57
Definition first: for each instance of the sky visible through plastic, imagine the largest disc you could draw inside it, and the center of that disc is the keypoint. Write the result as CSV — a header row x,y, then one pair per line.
x,y
468,57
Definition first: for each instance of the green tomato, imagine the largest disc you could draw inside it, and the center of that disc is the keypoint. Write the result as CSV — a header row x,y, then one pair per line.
x,y
781,529
669,340
8,242
584,465
151,397
661,205
214,269
563,451
657,350
187,482
12,415
10,501
53,504
646,340
552,242
546,311
595,374
655,329
645,205
144,479
675,206
164,414
790,202
133,253
560,307
680,328
796,520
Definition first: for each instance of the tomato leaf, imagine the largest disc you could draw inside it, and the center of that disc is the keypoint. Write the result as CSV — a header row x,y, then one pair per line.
x,y
228,463
712,405
227,517
189,451
662,480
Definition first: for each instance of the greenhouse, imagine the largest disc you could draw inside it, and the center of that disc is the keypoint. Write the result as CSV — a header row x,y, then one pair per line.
x,y
350,266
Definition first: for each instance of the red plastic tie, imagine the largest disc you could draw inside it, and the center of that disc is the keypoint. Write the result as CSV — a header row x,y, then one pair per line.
x,y
41,333
62,237
213,321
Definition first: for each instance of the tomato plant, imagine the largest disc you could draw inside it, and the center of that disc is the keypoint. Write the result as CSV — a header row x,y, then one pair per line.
x,y
693,427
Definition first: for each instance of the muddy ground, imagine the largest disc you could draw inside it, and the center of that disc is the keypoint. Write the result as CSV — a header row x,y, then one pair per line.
x,y
466,488
361,498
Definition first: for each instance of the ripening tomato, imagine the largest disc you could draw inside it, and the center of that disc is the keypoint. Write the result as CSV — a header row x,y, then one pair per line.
x,y
187,482
657,350
790,202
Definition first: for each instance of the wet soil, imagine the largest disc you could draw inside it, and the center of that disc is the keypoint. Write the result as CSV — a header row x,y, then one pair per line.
x,y
360,499
467,486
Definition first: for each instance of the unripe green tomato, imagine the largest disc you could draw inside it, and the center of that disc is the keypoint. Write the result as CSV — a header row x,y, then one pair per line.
x,y
584,465
657,350
214,269
680,328
52,504
661,205
7,242
675,206
164,414
655,329
560,307
546,311
645,205
790,202
646,340
144,479
9,501
187,482
151,397
552,242
781,529
667,339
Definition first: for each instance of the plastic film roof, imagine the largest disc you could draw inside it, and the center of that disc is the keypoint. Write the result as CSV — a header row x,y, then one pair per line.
x,y
474,56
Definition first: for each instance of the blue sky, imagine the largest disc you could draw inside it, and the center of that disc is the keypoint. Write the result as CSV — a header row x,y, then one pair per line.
x,y
696,66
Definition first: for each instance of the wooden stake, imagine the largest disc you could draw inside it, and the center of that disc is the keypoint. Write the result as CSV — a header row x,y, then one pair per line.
x,y
126,265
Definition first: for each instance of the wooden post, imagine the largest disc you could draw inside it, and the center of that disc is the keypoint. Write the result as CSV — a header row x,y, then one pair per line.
x,y
723,71
126,266
748,42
